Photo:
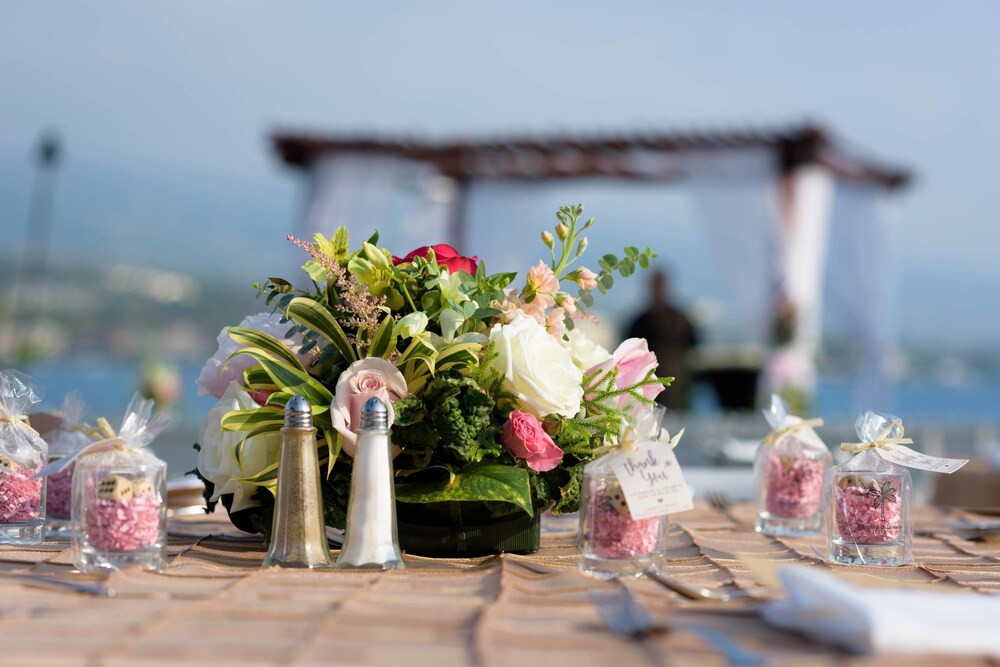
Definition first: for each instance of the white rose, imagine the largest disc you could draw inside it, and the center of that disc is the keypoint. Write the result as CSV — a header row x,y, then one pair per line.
x,y
537,369
585,352
217,458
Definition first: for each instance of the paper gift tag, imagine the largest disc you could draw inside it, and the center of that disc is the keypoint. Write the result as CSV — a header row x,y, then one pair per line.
x,y
904,456
652,481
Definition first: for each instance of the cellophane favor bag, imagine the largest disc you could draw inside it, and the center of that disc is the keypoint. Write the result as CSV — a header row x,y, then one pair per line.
x,y
67,440
22,454
788,470
120,497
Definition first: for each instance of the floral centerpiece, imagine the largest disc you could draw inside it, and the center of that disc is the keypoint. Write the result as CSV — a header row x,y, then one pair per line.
x,y
496,399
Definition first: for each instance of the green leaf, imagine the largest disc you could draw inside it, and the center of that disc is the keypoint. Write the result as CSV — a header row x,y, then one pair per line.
x,y
257,379
247,420
632,253
334,444
644,261
291,380
315,317
384,340
266,343
478,481
268,477
341,244
626,268
260,430
610,260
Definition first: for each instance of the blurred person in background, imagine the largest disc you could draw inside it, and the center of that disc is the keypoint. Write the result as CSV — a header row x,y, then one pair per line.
x,y
671,336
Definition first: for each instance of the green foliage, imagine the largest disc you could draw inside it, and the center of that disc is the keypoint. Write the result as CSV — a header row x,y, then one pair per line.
x,y
477,481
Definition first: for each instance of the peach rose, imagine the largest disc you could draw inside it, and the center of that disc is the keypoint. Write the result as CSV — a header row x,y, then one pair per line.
x,y
362,380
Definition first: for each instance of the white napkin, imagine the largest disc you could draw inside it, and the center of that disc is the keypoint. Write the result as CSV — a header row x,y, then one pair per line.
x,y
870,620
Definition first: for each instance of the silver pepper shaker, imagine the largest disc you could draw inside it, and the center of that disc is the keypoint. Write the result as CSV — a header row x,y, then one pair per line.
x,y
371,540
298,533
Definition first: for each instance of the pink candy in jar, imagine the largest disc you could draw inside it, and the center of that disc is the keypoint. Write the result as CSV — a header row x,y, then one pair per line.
x,y
868,514
793,485
20,495
59,494
123,515
613,531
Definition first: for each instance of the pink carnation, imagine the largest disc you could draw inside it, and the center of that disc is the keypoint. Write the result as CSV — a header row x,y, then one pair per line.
x,y
524,437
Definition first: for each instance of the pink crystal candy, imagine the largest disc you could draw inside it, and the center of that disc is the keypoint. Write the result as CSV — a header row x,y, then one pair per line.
x,y
20,496
59,494
123,525
617,535
859,521
792,490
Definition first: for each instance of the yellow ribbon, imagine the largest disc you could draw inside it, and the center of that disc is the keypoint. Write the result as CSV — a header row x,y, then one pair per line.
x,y
880,441
20,419
627,442
775,436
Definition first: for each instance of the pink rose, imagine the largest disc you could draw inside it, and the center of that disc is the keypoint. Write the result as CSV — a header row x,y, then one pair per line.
x,y
634,361
446,256
524,437
362,380
216,375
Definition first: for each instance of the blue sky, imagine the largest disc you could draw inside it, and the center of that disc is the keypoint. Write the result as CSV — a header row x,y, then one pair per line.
x,y
166,106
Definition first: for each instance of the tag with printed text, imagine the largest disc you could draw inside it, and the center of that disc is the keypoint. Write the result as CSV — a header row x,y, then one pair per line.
x,y
904,456
652,481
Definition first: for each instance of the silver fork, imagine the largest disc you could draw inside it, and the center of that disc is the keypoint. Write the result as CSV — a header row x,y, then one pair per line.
x,y
719,500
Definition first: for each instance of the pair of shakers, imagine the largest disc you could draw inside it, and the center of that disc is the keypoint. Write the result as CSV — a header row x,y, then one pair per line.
x,y
298,535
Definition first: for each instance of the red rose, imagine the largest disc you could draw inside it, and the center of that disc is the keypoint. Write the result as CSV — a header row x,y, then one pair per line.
x,y
524,437
446,256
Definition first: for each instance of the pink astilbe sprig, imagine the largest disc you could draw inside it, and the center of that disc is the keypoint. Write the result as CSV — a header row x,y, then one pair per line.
x,y
364,310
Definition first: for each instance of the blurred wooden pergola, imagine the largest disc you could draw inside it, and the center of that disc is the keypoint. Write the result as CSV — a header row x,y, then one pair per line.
x,y
774,203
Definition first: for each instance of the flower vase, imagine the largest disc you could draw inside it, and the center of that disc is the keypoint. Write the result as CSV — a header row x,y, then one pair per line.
x,y
466,529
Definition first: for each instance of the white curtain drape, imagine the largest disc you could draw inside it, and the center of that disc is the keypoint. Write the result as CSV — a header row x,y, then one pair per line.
x,y
735,194
859,284
408,202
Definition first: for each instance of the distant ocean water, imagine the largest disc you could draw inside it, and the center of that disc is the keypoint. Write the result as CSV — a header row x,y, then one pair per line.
x,y
107,386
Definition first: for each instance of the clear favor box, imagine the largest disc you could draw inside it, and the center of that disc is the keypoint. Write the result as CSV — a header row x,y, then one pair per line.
x,y
612,543
788,471
868,498
22,454
120,497
68,439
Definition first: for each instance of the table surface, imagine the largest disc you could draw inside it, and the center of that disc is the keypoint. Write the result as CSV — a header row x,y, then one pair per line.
x,y
215,605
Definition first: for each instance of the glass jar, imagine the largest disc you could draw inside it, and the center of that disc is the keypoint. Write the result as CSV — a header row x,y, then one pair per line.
x,y
66,440
22,497
22,454
788,474
789,483
868,517
119,511
612,543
